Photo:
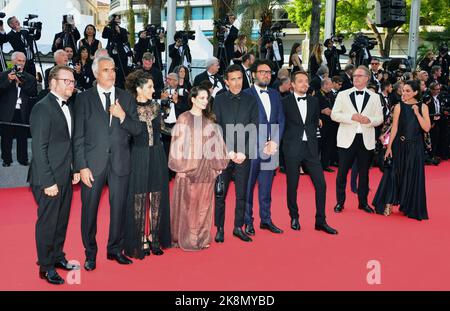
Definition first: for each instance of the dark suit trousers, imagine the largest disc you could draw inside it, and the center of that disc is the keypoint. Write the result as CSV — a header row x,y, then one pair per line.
x,y
51,225
327,143
90,197
241,173
265,179
315,171
8,134
439,138
346,159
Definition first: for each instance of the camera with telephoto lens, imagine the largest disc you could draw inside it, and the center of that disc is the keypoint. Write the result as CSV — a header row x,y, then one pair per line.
x,y
338,39
364,42
221,25
186,36
32,25
69,23
152,31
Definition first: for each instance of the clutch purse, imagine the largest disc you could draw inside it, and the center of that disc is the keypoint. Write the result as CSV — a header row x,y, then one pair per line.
x,y
219,188
388,163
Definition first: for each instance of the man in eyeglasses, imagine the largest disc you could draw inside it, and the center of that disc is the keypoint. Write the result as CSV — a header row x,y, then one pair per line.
x,y
50,174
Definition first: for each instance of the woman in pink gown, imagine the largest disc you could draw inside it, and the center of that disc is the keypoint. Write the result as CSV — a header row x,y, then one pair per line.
x,y
198,155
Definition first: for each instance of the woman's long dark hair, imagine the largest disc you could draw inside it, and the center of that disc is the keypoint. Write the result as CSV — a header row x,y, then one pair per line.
x,y
207,112
187,79
293,51
415,86
85,31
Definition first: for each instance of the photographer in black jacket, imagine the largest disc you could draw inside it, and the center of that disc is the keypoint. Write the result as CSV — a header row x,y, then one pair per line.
x,y
68,37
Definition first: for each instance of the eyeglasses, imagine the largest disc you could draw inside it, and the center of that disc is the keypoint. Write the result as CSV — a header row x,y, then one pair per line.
x,y
67,81
264,72
374,63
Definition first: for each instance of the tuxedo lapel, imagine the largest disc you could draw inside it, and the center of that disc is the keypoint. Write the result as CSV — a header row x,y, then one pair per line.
x,y
296,110
60,113
97,102
352,98
260,104
366,100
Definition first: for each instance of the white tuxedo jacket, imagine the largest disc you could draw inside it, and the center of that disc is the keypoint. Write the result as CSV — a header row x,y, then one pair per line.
x,y
343,110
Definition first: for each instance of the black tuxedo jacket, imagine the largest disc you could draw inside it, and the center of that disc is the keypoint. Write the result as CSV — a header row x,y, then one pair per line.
x,y
295,126
245,82
347,83
51,144
71,39
229,43
176,57
15,39
151,45
242,111
95,141
8,96
204,76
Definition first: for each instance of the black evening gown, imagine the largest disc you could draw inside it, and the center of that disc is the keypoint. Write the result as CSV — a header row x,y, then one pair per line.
x,y
404,183
149,185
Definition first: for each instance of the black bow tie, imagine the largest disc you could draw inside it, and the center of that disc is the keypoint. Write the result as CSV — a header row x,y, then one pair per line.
x,y
233,96
64,103
359,92
264,91
301,98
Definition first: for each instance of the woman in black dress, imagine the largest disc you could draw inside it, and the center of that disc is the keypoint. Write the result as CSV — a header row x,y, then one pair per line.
x,y
148,216
90,41
83,69
295,60
240,48
403,182
184,81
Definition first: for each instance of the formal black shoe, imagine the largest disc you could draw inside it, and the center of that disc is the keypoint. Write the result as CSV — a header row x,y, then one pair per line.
x,y
156,249
237,232
90,265
326,228
249,229
329,170
295,224
24,163
51,277
6,164
220,235
65,265
271,227
339,208
120,258
366,208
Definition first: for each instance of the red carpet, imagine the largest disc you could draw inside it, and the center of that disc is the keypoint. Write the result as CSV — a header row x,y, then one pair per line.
x,y
413,255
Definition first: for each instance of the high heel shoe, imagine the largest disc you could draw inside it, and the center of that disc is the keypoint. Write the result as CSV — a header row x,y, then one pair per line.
x,y
387,210
147,251
156,250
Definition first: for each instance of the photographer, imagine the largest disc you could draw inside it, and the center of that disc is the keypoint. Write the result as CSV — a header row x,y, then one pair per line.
x,y
443,59
151,40
69,35
332,54
22,40
179,51
116,46
360,50
3,66
231,34
148,66
272,46
16,89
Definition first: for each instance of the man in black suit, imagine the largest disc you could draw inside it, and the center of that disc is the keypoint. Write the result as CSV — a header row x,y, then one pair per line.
x,y
231,34
150,42
16,89
237,114
117,47
149,65
332,55
211,74
316,82
50,174
61,59
179,52
21,40
247,61
68,37
300,147
347,77
105,118
439,115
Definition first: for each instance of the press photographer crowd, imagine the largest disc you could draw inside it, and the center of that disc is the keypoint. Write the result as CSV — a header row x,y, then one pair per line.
x,y
107,115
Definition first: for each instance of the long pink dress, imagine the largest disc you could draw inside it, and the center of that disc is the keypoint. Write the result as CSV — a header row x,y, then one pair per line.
x,y
197,154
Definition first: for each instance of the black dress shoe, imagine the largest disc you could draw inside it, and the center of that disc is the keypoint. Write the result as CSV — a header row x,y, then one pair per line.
x,y
65,265
156,249
120,258
271,227
326,228
220,235
51,277
339,208
237,232
366,208
90,265
24,163
249,229
6,164
295,224
329,170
